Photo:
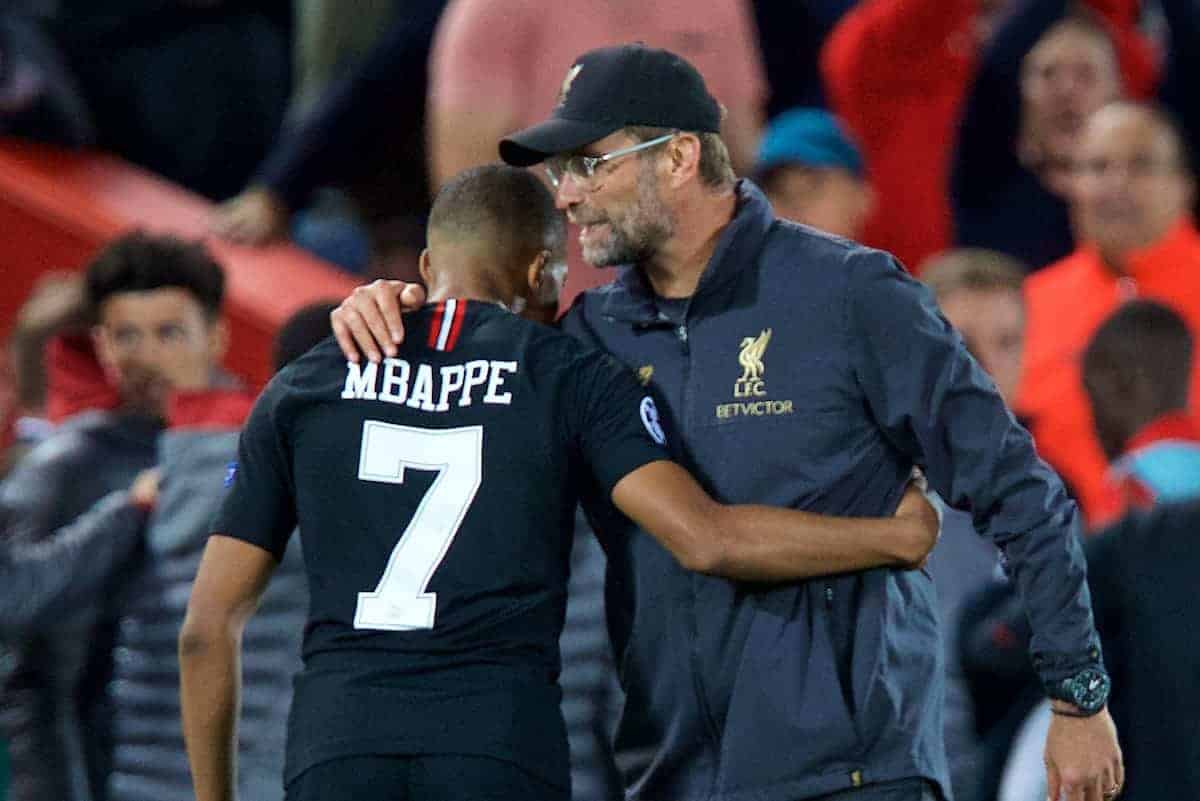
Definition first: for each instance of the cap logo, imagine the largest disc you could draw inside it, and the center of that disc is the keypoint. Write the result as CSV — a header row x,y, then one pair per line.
x,y
572,74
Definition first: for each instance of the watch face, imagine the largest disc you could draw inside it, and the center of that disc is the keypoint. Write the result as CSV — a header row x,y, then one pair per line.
x,y
1088,689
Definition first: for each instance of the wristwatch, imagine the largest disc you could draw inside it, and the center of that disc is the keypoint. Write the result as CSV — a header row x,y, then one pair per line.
x,y
1088,690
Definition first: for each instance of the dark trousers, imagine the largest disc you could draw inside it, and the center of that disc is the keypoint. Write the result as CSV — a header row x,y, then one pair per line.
x,y
424,778
902,790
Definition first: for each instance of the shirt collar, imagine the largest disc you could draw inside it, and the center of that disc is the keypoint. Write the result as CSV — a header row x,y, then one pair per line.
x,y
1177,426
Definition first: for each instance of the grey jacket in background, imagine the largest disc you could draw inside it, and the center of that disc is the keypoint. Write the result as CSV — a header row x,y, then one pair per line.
x,y
149,759
52,708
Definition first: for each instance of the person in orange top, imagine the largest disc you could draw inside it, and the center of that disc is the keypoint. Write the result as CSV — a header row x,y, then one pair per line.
x,y
1130,206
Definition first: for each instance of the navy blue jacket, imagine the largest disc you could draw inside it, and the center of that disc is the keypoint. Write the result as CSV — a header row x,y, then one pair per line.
x,y
813,373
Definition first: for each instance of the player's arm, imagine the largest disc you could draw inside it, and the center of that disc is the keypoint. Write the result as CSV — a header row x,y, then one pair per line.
x,y
764,543
231,579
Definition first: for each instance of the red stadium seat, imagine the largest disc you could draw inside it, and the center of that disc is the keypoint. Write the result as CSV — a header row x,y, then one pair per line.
x,y
57,208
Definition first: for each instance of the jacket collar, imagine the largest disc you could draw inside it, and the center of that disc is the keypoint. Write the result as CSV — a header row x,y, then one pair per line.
x,y
630,297
1173,426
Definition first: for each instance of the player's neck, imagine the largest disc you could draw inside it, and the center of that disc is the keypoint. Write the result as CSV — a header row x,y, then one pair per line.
x,y
470,291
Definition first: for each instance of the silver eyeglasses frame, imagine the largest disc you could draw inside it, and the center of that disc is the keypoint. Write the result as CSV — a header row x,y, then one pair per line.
x,y
583,168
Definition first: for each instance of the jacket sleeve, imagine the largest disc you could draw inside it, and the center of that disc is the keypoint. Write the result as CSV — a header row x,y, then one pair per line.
x,y
71,568
934,403
327,147
880,44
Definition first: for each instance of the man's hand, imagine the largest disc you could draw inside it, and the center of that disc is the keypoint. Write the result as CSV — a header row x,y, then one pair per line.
x,y
144,491
926,525
255,217
1083,759
369,320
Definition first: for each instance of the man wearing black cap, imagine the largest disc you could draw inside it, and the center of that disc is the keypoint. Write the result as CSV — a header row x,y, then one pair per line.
x,y
799,370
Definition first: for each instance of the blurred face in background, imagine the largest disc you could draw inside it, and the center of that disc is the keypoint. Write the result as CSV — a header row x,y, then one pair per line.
x,y
1131,184
1071,73
152,342
992,324
830,199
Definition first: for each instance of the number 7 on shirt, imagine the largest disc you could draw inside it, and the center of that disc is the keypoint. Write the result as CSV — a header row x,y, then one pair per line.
x,y
400,601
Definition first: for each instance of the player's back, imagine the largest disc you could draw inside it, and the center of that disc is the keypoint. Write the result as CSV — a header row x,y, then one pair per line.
x,y
434,496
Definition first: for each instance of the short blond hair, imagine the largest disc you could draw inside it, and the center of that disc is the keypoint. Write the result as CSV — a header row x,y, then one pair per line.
x,y
972,269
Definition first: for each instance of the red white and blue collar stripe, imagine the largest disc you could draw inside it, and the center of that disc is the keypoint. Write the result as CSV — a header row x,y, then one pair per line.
x,y
447,323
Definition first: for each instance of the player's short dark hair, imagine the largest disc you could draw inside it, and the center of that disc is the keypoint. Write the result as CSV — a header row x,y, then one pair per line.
x,y
1149,341
496,200
141,262
301,332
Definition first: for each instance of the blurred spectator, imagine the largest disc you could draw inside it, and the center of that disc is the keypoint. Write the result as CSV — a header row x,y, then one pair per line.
x,y
55,305
342,143
156,303
1142,574
591,696
1137,371
1133,196
194,90
196,453
1041,77
499,65
1141,571
979,293
812,172
896,72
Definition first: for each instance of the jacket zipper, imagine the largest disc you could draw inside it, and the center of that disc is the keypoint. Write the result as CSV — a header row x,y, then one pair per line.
x,y
681,334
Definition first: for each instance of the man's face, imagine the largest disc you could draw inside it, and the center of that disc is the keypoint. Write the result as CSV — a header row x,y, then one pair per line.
x,y
992,324
829,199
620,212
155,341
1065,78
1130,185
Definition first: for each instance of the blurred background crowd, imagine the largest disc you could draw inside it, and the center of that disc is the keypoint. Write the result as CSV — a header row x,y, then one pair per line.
x,y
1031,161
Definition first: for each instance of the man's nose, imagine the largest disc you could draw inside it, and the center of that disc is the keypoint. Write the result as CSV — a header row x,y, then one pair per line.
x,y
568,192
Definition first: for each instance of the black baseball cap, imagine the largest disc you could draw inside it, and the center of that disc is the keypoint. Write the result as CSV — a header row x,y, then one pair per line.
x,y
610,88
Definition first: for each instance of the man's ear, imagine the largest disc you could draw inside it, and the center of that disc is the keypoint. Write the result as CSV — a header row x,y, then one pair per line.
x,y
684,153
423,267
535,273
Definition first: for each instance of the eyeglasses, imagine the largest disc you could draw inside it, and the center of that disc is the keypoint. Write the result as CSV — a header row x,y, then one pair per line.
x,y
583,168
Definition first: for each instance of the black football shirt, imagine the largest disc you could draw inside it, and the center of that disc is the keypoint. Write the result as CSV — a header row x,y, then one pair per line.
x,y
434,495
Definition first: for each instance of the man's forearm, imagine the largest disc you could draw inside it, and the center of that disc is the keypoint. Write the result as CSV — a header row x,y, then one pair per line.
x,y
763,543
210,686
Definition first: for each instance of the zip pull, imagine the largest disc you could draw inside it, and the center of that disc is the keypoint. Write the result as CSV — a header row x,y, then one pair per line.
x,y
828,596
681,332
